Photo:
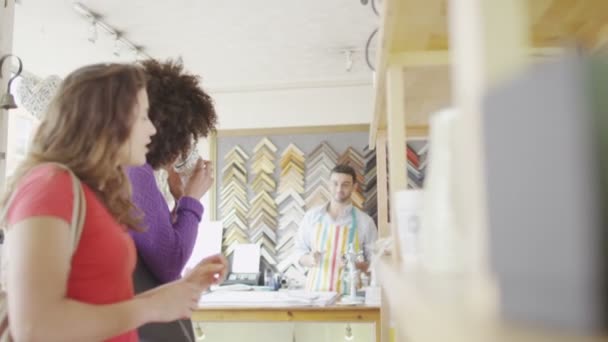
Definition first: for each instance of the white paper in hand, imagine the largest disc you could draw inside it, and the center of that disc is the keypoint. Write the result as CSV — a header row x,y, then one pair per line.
x,y
208,242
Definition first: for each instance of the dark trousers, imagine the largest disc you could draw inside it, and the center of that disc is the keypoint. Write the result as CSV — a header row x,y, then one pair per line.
x,y
176,331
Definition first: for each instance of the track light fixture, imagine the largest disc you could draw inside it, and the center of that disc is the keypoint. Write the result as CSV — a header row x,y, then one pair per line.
x,y
97,23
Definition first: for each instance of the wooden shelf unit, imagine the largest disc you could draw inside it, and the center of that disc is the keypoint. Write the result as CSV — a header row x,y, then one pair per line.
x,y
438,53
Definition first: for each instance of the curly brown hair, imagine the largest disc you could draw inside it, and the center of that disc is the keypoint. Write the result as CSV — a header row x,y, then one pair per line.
x,y
179,108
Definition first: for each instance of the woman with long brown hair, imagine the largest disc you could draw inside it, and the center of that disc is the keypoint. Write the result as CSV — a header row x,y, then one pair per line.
x,y
96,125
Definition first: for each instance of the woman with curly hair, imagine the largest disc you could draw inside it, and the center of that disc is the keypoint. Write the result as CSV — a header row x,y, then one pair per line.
x,y
182,113
61,288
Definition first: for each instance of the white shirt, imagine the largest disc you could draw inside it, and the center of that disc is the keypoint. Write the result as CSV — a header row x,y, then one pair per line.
x,y
366,228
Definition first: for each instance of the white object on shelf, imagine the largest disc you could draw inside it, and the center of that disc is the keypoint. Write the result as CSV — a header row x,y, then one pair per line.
x,y
442,244
382,247
408,205
373,295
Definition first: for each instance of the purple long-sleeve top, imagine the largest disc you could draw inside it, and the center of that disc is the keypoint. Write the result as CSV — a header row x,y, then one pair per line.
x,y
167,242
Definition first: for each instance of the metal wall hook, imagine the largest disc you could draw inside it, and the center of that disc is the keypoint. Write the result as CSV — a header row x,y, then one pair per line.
x,y
8,100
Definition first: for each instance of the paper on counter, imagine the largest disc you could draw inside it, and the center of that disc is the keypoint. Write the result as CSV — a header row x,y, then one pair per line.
x,y
267,298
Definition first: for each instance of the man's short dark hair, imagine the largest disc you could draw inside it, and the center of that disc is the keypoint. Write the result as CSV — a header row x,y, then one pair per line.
x,y
345,169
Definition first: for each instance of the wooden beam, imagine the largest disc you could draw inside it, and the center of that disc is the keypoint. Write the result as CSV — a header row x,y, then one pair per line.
x,y
537,9
385,319
352,314
382,185
396,133
213,157
420,58
378,121
292,130
412,59
388,18
396,138
417,131
418,21
7,17
506,38
489,41
602,39
412,132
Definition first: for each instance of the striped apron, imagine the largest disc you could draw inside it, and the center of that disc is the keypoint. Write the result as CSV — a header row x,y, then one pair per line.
x,y
332,241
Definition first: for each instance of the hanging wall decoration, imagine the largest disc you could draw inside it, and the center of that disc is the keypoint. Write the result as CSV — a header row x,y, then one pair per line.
x,y
263,212
35,94
320,163
291,208
234,204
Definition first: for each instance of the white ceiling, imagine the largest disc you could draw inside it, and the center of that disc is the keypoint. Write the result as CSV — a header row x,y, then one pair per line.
x,y
232,44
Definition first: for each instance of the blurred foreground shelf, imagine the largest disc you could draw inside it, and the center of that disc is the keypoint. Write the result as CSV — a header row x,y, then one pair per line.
x,y
426,307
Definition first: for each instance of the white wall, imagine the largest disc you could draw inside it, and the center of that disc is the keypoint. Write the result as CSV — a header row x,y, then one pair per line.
x,y
295,107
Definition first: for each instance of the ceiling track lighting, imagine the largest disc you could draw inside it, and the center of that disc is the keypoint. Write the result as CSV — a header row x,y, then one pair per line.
x,y
121,43
93,31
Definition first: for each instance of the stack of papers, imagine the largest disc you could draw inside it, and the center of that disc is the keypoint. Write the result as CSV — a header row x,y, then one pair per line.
x,y
267,298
